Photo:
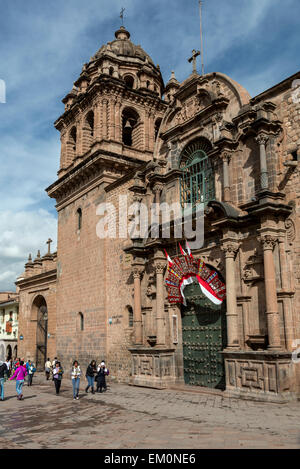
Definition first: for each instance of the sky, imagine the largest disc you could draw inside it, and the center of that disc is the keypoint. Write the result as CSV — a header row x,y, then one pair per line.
x,y
43,45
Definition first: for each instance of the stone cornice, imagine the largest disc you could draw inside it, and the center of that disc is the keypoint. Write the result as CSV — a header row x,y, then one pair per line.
x,y
49,276
94,165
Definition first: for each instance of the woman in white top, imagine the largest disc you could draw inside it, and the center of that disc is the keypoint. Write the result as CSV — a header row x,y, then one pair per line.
x,y
48,368
75,375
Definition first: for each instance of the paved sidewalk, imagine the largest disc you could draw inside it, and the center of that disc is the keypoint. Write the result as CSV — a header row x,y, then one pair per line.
x,y
131,417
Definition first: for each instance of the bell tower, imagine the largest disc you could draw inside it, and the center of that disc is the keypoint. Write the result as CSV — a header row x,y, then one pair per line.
x,y
107,132
114,105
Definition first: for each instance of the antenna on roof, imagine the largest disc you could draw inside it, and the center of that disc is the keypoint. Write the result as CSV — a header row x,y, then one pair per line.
x,y
201,37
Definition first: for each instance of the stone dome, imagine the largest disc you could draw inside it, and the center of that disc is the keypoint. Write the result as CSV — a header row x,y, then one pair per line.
x,y
123,47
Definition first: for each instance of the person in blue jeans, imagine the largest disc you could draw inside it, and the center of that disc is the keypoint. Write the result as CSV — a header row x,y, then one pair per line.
x,y
75,375
19,374
90,375
3,372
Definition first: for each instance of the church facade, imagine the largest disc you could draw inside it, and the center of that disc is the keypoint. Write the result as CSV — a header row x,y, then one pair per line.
x,y
127,138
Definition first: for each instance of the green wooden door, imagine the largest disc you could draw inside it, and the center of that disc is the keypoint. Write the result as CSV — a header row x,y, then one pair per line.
x,y
203,338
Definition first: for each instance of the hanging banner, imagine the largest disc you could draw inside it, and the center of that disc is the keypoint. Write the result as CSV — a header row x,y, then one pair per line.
x,y
185,270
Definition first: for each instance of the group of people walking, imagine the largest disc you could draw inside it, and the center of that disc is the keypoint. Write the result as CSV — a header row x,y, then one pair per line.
x,y
94,374
20,371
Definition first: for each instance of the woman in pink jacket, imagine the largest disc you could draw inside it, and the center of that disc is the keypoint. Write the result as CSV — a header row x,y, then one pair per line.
x,y
19,374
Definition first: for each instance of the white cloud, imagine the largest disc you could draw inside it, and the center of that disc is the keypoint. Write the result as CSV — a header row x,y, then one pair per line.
x,y
22,233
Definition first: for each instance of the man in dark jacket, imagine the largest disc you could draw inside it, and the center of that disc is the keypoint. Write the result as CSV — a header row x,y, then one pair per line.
x,y
90,375
3,374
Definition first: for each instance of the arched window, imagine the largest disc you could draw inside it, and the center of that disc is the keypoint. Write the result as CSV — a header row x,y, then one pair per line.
x,y
88,131
148,84
111,71
130,128
73,137
80,321
156,127
130,316
197,180
90,123
129,81
79,219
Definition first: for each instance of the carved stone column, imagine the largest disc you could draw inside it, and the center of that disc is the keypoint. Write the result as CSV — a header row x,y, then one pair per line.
x,y
262,139
268,243
226,185
137,320
160,304
104,118
283,263
230,249
97,122
118,130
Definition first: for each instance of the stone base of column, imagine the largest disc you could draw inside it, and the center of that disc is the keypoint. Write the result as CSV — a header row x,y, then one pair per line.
x,y
260,375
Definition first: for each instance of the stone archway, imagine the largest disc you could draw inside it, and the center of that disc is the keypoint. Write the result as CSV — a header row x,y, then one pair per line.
x,y
203,339
40,314
9,352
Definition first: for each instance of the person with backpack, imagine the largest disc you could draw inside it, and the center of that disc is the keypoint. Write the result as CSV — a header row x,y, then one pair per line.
x,y
90,376
3,374
57,376
75,376
19,374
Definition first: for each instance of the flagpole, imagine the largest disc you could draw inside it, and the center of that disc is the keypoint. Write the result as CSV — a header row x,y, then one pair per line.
x,y
201,36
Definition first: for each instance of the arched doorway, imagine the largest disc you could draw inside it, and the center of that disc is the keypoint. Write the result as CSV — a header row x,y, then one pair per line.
x,y
9,352
40,312
203,339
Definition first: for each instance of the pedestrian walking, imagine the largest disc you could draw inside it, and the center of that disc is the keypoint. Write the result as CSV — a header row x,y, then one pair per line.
x,y
75,375
30,370
48,367
19,374
3,372
57,376
54,362
106,373
100,378
8,364
90,376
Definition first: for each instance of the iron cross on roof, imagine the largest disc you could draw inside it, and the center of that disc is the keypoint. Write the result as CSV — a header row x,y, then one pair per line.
x,y
193,59
122,15
49,244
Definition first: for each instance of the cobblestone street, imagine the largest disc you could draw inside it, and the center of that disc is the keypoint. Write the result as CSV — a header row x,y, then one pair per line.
x,y
131,417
